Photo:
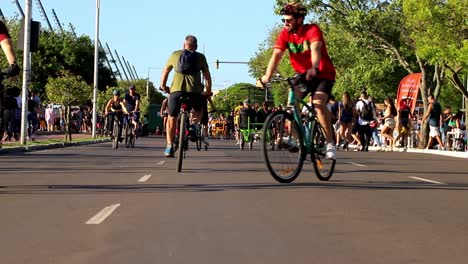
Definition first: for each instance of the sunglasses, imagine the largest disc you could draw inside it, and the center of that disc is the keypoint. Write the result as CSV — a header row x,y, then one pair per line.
x,y
289,20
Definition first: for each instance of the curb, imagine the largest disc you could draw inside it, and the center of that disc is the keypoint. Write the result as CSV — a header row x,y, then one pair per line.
x,y
50,146
455,154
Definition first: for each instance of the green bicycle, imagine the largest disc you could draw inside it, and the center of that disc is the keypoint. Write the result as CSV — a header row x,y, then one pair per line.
x,y
295,137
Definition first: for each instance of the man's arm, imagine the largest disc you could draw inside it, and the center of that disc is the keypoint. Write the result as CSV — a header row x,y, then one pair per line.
x,y
7,47
108,107
164,76
426,115
315,56
207,76
272,64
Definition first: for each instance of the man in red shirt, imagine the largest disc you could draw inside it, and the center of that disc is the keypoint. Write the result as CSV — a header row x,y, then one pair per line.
x,y
308,55
7,47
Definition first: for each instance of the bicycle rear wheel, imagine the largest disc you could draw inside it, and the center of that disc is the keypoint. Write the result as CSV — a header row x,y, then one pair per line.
x,y
182,128
284,161
323,167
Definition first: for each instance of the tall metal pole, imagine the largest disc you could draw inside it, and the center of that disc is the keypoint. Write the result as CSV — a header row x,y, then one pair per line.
x,y
128,68
21,9
57,21
43,13
1,15
114,61
26,69
134,70
121,65
96,67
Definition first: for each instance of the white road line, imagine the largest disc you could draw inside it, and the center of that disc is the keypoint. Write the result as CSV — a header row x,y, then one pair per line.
x,y
357,164
102,215
160,162
426,180
144,178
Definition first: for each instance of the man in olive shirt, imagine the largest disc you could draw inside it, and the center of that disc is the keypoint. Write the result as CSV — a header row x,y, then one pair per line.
x,y
187,63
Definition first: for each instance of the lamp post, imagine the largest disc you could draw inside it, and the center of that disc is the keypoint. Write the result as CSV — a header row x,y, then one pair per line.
x,y
148,76
96,66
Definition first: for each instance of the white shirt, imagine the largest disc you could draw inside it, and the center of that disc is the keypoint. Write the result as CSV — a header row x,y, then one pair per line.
x,y
359,107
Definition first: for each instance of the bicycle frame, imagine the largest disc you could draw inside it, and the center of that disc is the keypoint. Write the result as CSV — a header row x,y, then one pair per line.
x,y
293,102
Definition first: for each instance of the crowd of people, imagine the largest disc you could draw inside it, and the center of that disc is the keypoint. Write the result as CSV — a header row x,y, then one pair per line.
x,y
346,123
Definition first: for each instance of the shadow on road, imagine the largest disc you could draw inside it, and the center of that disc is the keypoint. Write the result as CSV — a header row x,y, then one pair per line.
x,y
155,188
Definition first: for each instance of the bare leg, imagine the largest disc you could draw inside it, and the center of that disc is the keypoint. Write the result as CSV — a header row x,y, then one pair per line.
x,y
323,114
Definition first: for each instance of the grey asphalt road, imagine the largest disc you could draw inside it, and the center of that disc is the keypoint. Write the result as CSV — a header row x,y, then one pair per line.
x,y
91,204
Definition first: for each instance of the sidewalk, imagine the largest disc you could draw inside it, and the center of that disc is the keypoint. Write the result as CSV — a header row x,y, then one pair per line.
x,y
456,154
48,140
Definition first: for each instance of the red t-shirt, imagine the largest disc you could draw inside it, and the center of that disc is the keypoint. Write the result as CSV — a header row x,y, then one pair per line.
x,y
3,32
298,45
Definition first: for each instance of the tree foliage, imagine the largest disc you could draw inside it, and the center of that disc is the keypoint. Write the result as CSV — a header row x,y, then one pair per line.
x,y
68,90
59,52
226,100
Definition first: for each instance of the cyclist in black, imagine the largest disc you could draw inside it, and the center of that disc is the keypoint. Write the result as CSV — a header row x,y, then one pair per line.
x,y
115,108
132,101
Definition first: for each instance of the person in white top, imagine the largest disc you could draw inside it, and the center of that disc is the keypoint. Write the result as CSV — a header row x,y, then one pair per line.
x,y
366,114
50,117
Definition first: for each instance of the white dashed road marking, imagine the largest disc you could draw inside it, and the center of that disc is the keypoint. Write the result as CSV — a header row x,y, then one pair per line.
x,y
426,180
357,164
160,162
102,215
144,178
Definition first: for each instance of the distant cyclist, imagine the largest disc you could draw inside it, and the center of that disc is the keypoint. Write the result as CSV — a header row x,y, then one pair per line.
x,y
115,108
308,55
188,64
132,101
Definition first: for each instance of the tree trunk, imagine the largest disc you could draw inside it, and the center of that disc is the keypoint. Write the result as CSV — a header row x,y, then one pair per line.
x,y
68,136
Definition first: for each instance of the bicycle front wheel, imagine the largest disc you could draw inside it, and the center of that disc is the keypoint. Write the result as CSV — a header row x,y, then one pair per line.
x,y
285,159
323,167
115,132
127,135
182,128
132,137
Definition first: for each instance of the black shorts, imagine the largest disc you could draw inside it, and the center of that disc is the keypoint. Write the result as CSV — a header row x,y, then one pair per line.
x,y
196,102
322,85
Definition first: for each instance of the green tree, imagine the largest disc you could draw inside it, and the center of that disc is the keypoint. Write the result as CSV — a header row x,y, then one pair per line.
x,y
68,90
440,31
62,52
226,100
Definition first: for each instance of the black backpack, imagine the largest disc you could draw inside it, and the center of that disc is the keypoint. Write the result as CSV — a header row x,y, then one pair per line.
x,y
187,62
366,113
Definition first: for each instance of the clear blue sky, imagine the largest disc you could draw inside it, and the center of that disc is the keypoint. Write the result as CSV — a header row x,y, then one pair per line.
x,y
145,32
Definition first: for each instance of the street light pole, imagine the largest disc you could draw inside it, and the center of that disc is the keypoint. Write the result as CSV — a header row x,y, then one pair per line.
x,y
96,65
26,69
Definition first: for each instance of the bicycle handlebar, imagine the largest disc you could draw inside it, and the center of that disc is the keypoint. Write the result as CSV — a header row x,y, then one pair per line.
x,y
291,80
